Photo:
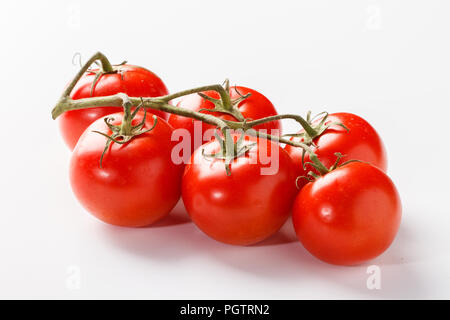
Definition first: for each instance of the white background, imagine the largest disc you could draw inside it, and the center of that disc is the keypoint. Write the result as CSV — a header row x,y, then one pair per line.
x,y
388,61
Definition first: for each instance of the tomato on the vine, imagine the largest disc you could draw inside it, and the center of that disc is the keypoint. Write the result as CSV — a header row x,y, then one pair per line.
x,y
360,142
137,182
246,206
131,80
254,107
349,215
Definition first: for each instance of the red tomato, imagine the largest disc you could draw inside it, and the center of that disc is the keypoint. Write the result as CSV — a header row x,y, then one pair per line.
x,y
254,107
349,215
131,80
247,206
138,183
361,142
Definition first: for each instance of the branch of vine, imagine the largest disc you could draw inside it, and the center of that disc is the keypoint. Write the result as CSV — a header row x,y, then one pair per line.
x,y
65,103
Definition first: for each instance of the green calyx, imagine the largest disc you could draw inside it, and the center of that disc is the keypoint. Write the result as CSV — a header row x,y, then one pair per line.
x,y
104,68
229,150
314,130
225,104
321,170
123,133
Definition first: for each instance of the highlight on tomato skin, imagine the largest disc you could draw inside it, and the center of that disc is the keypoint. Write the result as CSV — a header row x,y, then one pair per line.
x,y
348,216
360,142
245,207
132,80
137,184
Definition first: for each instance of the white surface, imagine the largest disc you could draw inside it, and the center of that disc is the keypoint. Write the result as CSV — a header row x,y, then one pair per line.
x,y
387,61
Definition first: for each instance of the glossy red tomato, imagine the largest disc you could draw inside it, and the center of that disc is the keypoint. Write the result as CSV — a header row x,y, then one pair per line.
x,y
131,80
137,184
361,142
247,206
254,107
349,215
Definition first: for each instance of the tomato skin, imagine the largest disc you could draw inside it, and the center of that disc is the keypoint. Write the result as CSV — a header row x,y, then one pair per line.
x,y
138,183
361,142
245,207
348,216
136,82
254,107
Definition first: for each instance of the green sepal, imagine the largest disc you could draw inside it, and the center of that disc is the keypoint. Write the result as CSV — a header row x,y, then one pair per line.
x,y
229,150
100,72
319,128
118,137
219,106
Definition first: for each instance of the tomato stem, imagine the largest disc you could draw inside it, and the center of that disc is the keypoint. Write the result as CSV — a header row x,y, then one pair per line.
x,y
126,126
225,105
306,126
313,157
106,65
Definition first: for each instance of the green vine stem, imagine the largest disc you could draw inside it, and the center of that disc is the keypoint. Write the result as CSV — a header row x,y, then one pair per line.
x,y
225,104
313,157
306,126
160,103
65,103
106,66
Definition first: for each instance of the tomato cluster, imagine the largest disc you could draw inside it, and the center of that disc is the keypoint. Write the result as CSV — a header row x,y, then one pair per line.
x,y
345,214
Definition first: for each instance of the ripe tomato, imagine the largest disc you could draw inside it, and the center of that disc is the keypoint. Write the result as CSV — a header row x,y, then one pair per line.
x,y
361,142
254,107
247,206
131,80
137,184
349,215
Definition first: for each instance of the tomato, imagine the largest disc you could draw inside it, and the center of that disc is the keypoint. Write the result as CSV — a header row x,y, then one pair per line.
x,y
254,107
361,142
137,184
247,206
349,215
131,80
